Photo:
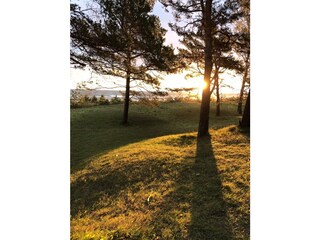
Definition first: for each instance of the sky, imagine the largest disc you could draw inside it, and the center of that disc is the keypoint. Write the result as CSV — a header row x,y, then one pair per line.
x,y
169,81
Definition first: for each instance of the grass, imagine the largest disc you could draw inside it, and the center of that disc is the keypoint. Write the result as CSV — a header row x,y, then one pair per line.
x,y
97,130
153,179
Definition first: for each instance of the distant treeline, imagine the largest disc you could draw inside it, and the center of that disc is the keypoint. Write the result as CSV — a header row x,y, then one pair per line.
x,y
80,99
86,101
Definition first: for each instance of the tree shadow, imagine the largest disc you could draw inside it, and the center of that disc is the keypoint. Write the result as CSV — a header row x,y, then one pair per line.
x,y
197,196
98,189
208,210
192,206
97,132
91,140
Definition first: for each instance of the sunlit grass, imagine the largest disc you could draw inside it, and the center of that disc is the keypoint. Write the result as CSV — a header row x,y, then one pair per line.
x,y
97,130
167,187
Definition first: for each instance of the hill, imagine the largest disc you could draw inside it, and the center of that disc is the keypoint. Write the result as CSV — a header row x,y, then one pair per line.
x,y
153,179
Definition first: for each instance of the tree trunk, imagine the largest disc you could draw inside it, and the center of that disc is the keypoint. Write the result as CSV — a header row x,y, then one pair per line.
x,y
245,122
244,79
241,96
203,128
218,97
126,100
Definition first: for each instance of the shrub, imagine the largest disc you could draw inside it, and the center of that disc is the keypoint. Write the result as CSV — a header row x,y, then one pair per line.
x,y
103,101
106,102
94,99
74,104
115,100
86,99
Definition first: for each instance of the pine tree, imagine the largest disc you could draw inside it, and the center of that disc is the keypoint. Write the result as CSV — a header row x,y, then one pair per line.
x,y
94,99
222,56
242,47
206,35
102,100
121,39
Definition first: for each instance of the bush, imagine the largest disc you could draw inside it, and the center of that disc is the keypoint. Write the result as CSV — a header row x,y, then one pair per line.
x,y
94,99
74,104
115,100
103,101
106,102
86,99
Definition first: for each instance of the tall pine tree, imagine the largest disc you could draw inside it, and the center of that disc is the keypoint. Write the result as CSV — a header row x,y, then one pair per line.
x,y
121,38
242,47
197,14
196,18
223,15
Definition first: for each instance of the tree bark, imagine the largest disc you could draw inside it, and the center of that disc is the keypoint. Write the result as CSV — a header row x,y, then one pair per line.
x,y
203,128
244,79
241,96
126,100
245,122
218,97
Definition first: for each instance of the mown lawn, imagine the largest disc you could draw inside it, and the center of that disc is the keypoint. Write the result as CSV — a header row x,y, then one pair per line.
x,y
153,179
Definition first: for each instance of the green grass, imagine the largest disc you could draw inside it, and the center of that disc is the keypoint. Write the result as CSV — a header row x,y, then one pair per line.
x,y
153,179
97,130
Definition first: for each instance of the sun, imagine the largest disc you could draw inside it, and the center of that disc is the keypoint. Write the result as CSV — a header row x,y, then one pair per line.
x,y
202,85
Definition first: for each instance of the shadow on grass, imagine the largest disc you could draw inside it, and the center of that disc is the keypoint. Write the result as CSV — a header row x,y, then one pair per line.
x,y
208,211
90,139
197,195
192,207
97,130
245,131
99,189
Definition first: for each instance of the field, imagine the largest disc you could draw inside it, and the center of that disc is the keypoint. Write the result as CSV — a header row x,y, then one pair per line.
x,y
153,179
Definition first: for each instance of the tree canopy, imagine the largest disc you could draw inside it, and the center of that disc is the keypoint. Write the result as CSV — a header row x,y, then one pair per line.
x,y
204,25
121,38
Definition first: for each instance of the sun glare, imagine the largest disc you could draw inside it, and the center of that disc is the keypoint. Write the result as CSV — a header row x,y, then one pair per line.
x,y
202,85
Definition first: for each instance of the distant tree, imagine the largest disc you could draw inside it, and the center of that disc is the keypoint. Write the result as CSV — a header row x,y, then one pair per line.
x,y
86,98
121,38
75,98
106,102
94,99
102,100
115,100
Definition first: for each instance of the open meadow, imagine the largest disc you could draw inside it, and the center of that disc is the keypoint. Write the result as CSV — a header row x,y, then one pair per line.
x,y
153,179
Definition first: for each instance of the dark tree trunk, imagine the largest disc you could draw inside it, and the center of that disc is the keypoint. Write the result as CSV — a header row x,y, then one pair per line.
x,y
241,96
245,122
218,97
203,128
126,101
244,79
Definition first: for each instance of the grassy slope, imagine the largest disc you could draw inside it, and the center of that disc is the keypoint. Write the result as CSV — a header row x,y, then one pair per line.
x,y
97,130
169,187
